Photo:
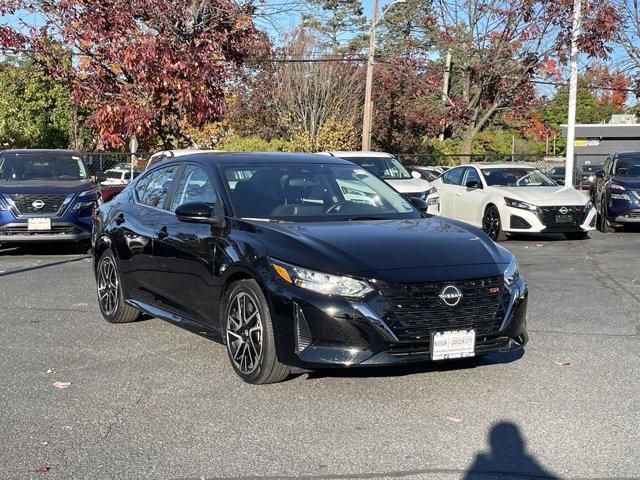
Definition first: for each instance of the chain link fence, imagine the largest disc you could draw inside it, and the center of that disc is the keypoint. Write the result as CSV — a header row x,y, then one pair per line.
x,y
103,161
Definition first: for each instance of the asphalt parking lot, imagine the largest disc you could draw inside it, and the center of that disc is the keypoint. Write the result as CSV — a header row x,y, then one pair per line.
x,y
150,400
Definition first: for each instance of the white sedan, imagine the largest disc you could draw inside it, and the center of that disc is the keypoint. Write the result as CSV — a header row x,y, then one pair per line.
x,y
513,198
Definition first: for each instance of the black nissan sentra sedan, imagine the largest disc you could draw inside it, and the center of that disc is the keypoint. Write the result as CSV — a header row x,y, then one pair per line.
x,y
304,262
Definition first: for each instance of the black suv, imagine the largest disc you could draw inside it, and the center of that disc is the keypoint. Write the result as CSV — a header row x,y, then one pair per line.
x,y
45,195
303,260
616,193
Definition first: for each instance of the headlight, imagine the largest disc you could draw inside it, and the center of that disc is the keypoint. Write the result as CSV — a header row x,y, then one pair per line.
x,y
619,196
86,193
431,191
4,206
324,283
511,274
512,202
615,186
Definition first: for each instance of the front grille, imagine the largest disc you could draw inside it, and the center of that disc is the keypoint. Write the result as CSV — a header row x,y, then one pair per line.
x,y
635,214
52,202
415,310
23,230
548,217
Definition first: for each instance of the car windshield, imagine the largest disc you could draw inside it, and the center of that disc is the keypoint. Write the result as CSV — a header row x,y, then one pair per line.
x,y
114,174
386,168
591,168
628,167
516,177
311,192
41,166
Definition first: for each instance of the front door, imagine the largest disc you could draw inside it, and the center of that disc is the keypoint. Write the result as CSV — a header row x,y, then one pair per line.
x,y
184,252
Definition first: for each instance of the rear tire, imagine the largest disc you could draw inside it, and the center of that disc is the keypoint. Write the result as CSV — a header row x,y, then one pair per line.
x,y
249,335
492,224
109,287
576,235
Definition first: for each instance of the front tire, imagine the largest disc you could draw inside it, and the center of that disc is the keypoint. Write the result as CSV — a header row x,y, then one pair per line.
x,y
492,224
110,298
249,335
603,223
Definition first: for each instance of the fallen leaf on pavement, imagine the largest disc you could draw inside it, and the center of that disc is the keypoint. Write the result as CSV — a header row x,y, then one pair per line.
x,y
42,469
563,363
454,419
51,371
61,385
539,245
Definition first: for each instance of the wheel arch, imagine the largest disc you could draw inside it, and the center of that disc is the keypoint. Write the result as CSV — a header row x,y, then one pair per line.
x,y
102,243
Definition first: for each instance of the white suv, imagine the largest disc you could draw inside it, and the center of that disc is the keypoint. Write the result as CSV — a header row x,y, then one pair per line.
x,y
513,198
387,167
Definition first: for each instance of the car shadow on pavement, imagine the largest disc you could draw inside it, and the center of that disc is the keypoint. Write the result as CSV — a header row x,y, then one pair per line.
x,y
44,249
413,369
507,457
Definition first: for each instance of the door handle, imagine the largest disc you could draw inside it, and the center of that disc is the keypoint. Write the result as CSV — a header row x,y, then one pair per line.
x,y
163,233
119,219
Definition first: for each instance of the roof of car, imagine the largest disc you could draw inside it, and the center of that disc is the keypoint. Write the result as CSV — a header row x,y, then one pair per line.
x,y
628,154
222,158
356,154
498,165
23,151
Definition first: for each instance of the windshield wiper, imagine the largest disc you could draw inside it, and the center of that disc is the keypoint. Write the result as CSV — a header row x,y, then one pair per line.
x,y
363,217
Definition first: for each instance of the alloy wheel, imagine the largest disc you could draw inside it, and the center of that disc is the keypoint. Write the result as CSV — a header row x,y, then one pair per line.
x,y
107,286
492,223
244,333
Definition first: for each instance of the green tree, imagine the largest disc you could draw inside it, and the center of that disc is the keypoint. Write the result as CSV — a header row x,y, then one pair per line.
x,y
338,23
35,111
588,110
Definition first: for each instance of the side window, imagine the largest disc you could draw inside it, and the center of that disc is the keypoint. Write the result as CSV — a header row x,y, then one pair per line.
x,y
607,166
158,187
195,186
141,186
471,175
453,176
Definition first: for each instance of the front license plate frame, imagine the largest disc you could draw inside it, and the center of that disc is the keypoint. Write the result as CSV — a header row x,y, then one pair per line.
x,y
39,224
450,344
564,218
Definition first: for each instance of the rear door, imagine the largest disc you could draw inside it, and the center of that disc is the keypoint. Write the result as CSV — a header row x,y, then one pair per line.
x,y
184,252
450,188
469,201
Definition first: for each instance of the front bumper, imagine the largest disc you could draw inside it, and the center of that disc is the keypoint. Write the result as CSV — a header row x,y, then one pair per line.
x,y
315,331
623,211
518,220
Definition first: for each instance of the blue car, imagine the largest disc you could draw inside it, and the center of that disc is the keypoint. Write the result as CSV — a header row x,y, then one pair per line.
x,y
45,195
617,191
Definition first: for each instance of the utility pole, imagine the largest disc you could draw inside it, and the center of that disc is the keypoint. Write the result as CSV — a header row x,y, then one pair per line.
x,y
573,91
445,87
368,101
367,120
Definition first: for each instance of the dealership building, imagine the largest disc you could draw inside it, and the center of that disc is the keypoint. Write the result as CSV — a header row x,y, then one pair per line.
x,y
621,134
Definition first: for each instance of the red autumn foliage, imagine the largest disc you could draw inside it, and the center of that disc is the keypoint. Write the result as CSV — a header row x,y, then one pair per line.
x,y
145,67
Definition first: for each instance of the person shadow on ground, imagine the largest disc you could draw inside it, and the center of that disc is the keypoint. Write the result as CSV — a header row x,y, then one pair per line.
x,y
507,457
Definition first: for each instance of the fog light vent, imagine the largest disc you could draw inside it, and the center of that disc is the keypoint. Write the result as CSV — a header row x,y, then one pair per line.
x,y
302,329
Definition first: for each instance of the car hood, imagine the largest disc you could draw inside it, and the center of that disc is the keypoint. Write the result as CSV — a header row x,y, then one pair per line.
x,y
544,196
444,247
44,187
410,185
629,182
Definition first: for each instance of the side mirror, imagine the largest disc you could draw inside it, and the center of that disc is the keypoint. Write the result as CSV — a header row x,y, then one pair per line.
x,y
419,204
600,174
415,174
198,212
473,184
99,177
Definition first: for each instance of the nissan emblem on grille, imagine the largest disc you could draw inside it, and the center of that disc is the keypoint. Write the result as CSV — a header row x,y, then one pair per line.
x,y
564,210
37,204
450,295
